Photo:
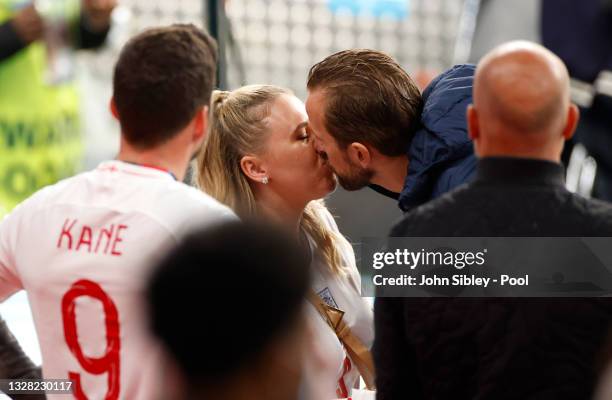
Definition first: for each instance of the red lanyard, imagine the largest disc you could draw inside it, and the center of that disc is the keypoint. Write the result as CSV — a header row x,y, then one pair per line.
x,y
154,167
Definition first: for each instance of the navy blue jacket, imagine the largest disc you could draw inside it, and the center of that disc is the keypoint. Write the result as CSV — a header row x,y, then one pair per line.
x,y
441,156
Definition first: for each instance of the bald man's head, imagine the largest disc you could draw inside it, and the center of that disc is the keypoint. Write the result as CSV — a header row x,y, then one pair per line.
x,y
521,101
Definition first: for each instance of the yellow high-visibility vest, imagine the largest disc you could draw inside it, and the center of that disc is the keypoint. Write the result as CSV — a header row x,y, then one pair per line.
x,y
40,139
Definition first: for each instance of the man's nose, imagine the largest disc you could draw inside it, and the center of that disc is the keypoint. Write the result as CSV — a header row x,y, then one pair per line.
x,y
315,145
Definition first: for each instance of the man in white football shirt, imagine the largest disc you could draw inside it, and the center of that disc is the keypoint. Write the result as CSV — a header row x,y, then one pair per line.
x,y
82,248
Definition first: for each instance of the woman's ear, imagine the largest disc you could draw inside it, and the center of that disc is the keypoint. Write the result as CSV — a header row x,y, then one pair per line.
x,y
253,167
359,154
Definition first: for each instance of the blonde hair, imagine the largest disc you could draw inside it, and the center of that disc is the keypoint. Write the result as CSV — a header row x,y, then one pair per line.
x,y
236,128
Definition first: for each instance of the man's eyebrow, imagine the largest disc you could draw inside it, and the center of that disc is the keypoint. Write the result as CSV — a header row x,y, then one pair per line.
x,y
310,130
300,126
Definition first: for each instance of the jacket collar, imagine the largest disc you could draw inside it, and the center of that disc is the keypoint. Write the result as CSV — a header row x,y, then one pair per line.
x,y
514,170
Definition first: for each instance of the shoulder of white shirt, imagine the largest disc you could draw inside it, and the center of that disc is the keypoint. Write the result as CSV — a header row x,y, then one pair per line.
x,y
190,197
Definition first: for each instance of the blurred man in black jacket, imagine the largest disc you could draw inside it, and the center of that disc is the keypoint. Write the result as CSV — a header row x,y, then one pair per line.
x,y
497,348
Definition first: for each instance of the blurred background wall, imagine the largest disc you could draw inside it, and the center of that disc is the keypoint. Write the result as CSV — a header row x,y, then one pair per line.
x,y
276,42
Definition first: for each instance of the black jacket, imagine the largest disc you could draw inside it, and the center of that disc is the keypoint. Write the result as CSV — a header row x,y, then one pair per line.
x,y
15,364
497,348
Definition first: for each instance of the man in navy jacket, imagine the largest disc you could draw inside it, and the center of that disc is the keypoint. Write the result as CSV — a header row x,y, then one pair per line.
x,y
373,126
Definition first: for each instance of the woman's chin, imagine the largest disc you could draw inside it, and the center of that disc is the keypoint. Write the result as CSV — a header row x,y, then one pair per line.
x,y
333,184
326,189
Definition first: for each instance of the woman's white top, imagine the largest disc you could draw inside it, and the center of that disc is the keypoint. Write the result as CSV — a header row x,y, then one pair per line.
x,y
342,292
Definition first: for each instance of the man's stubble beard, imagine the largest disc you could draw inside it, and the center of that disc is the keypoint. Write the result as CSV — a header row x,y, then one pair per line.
x,y
356,178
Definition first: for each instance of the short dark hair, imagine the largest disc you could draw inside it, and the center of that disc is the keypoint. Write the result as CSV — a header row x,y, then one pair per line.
x,y
370,99
193,295
163,76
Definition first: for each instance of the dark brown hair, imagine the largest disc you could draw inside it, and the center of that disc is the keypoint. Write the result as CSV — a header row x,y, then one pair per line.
x,y
370,99
163,76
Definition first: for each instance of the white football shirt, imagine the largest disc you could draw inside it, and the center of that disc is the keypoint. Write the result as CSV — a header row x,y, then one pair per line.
x,y
82,249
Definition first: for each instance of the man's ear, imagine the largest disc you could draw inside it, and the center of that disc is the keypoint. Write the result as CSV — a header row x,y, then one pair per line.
x,y
573,116
200,125
253,167
113,108
359,154
472,123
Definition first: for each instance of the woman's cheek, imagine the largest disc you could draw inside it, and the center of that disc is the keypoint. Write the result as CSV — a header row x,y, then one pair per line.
x,y
311,155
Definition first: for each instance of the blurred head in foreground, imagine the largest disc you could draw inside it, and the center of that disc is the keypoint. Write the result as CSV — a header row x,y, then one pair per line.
x,y
521,103
227,305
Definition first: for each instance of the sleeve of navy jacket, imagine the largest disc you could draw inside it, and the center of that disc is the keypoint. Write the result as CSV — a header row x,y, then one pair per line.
x,y
441,155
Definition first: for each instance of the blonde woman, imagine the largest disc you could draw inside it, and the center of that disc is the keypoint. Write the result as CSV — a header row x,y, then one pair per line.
x,y
259,160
